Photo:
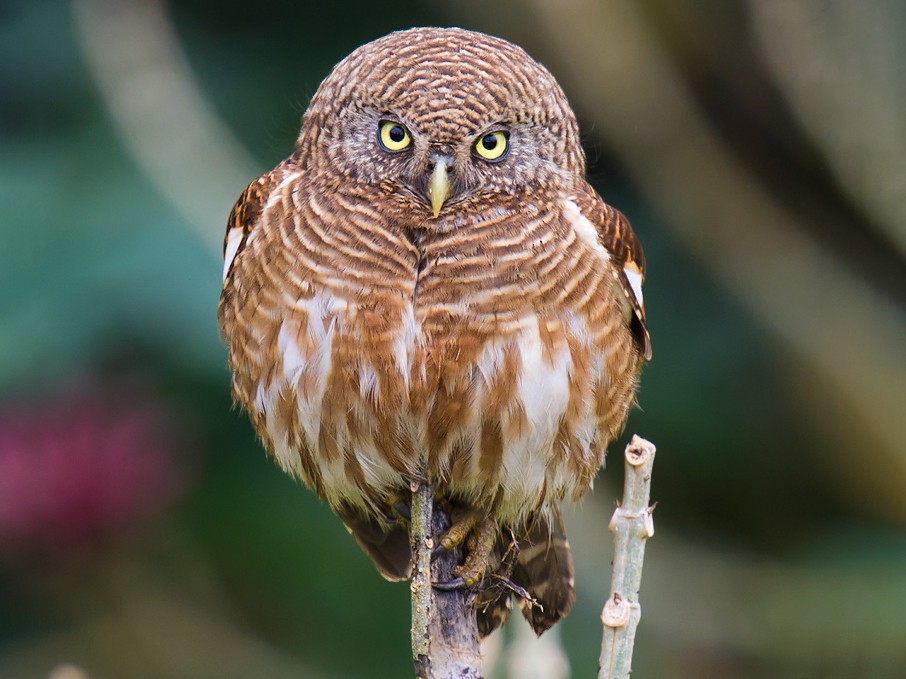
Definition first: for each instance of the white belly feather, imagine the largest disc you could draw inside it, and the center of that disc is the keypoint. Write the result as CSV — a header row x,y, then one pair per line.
x,y
531,467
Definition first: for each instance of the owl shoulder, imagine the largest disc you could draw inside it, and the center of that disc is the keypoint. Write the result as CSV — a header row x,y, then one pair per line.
x,y
246,215
613,233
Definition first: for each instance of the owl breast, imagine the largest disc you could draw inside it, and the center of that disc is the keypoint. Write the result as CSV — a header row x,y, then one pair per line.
x,y
498,394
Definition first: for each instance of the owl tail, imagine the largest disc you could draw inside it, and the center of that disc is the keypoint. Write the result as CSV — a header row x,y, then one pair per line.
x,y
544,567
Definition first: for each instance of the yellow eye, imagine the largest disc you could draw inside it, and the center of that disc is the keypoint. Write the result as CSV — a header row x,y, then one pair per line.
x,y
492,146
393,136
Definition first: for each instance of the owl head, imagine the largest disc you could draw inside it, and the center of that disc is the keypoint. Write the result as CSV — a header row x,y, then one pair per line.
x,y
440,117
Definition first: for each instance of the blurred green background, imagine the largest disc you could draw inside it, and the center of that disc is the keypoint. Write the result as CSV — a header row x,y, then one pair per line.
x,y
759,149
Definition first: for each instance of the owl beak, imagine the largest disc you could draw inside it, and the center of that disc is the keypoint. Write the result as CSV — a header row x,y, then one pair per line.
x,y
439,184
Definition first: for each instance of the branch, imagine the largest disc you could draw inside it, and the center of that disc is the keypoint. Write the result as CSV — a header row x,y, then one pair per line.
x,y
444,629
631,525
422,543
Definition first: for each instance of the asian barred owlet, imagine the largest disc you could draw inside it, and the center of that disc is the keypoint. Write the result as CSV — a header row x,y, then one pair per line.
x,y
428,288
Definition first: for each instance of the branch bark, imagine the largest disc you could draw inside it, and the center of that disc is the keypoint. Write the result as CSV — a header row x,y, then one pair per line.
x,y
631,525
444,630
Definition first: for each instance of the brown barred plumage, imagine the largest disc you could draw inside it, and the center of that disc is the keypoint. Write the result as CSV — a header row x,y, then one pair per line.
x,y
493,349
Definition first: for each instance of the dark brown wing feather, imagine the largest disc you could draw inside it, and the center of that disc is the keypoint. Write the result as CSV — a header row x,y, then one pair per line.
x,y
386,543
544,567
492,609
616,235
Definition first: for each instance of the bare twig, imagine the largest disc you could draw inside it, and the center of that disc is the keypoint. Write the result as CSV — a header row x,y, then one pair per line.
x,y
631,525
444,630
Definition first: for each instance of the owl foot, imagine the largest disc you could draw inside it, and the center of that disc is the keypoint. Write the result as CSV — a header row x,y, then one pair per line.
x,y
397,509
450,585
481,542
402,510
453,537
482,536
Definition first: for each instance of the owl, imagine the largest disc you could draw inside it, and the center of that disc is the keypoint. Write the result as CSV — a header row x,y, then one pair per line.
x,y
427,288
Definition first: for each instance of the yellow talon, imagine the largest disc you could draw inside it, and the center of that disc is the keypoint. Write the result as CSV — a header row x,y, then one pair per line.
x,y
398,506
482,539
458,532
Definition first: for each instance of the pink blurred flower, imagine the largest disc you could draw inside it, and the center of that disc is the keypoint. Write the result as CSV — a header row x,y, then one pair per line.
x,y
83,466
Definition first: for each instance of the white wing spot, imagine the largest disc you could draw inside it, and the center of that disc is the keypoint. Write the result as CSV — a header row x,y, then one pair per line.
x,y
234,238
583,227
635,280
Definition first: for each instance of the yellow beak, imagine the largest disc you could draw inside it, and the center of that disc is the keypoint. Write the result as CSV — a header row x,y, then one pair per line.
x,y
439,186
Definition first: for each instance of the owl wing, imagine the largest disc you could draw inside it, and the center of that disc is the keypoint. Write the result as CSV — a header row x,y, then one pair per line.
x,y
386,543
246,214
616,236
543,567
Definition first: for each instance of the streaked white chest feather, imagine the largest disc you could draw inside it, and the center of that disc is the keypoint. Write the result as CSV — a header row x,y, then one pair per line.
x,y
529,465
543,390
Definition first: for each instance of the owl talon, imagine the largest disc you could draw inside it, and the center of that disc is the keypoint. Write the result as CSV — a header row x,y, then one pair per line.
x,y
397,509
481,532
450,585
482,539
457,533
402,510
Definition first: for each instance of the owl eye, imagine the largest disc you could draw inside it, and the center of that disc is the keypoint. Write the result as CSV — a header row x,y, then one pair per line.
x,y
393,136
492,146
